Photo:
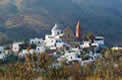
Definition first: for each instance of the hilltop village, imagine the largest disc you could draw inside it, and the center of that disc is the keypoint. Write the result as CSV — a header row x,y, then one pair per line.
x,y
60,44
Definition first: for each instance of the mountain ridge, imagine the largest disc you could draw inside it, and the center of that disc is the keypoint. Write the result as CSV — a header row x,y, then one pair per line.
x,y
38,16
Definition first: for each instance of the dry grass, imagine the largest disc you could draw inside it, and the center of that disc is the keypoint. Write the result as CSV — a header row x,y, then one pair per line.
x,y
101,70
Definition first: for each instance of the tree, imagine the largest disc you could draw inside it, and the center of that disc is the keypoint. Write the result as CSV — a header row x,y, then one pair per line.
x,y
88,36
3,38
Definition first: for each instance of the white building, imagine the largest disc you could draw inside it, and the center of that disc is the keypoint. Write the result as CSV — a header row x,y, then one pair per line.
x,y
16,47
85,44
95,44
90,57
116,48
40,49
3,57
73,55
54,41
36,41
1,49
25,51
57,30
99,40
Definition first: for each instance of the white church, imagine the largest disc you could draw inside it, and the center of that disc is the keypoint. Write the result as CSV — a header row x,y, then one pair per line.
x,y
53,40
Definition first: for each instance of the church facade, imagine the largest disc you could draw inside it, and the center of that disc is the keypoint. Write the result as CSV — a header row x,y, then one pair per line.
x,y
68,35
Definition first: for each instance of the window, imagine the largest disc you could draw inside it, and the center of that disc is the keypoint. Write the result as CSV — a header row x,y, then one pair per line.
x,y
58,33
39,42
32,42
68,35
56,41
52,41
61,31
79,56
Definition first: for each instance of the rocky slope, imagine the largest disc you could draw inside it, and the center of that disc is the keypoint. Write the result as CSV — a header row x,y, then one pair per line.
x,y
22,19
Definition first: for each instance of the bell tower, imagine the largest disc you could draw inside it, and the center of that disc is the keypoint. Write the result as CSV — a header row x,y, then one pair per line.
x,y
78,33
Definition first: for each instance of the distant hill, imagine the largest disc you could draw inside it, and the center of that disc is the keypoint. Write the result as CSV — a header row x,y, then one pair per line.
x,y
23,19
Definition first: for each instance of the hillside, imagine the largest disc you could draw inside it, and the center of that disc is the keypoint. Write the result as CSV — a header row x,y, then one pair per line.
x,y
22,19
